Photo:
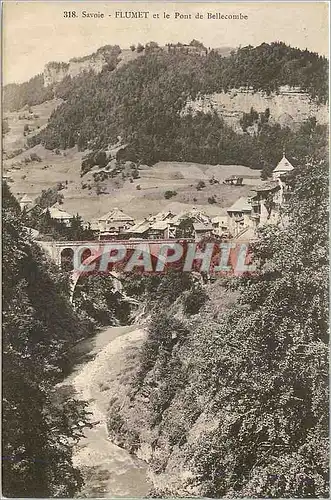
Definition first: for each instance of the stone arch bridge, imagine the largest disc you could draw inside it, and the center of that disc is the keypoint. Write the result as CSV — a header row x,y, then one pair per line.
x,y
60,251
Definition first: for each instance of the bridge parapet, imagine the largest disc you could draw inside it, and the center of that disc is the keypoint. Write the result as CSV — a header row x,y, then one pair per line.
x,y
85,257
55,248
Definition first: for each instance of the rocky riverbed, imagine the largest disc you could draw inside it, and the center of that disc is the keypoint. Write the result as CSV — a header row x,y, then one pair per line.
x,y
102,364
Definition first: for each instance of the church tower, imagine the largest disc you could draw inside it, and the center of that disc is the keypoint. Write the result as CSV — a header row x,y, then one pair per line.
x,y
283,167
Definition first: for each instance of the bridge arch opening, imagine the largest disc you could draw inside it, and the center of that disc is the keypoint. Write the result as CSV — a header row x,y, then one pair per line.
x,y
89,258
116,259
67,259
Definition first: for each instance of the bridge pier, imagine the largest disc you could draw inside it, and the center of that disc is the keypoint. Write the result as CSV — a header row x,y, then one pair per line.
x,y
53,250
57,249
75,275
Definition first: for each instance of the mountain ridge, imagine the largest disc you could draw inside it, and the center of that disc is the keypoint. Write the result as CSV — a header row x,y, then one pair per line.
x,y
144,101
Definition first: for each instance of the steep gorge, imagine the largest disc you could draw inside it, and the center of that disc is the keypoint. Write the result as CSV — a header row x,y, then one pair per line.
x,y
227,403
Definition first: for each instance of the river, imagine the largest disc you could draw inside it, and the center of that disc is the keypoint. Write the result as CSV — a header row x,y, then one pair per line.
x,y
107,469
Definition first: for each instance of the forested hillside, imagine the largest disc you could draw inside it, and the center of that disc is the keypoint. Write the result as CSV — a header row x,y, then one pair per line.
x,y
39,426
142,103
235,402
16,96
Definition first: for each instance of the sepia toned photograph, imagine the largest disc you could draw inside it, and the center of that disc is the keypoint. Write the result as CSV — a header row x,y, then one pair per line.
x,y
165,258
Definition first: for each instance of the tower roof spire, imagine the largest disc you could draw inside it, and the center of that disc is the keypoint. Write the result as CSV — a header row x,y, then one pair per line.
x,y
284,165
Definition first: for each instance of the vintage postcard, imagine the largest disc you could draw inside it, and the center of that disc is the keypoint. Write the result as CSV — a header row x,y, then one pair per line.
x,y
165,212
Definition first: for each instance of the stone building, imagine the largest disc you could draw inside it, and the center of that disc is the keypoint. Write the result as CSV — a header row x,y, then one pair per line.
x,y
239,216
59,214
112,224
234,180
263,203
26,202
220,225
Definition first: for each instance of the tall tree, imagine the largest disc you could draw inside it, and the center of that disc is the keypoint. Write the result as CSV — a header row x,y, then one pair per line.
x,y
265,366
39,326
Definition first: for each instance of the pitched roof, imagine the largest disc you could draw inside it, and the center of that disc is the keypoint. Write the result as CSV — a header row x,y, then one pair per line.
x,y
219,219
247,234
267,186
284,165
58,213
139,228
194,214
115,215
240,205
198,226
26,199
234,177
161,216
161,225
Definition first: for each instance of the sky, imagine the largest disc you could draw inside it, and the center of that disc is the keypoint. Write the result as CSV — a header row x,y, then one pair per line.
x,y
35,33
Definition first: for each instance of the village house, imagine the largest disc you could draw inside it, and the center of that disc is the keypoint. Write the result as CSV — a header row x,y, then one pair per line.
x,y
194,214
202,231
26,202
167,225
139,230
234,180
59,214
167,215
187,49
146,229
220,225
154,227
113,224
159,230
183,224
257,209
263,203
239,216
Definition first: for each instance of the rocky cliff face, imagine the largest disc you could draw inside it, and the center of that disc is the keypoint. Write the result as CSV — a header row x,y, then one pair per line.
x,y
289,107
55,72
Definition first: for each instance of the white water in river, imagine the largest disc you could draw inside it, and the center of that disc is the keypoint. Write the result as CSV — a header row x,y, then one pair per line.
x,y
108,470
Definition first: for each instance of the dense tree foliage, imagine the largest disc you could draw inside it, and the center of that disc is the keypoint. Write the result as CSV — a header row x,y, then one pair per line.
x,y
39,326
55,229
159,291
49,197
269,66
265,364
5,127
16,96
97,301
239,397
142,102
